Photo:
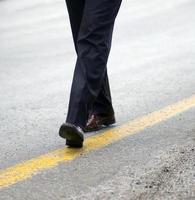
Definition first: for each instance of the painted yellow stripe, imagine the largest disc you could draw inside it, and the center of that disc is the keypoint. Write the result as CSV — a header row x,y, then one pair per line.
x,y
29,168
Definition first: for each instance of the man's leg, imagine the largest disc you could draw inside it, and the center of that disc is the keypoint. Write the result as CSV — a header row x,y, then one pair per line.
x,y
72,134
103,102
93,45
75,10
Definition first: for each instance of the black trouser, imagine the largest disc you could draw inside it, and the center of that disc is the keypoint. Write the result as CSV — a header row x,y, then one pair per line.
x,y
92,24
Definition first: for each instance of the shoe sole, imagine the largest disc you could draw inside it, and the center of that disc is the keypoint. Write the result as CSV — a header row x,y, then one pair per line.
x,y
109,122
71,134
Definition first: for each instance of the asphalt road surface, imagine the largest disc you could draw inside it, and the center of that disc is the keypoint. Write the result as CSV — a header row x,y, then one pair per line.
x,y
151,66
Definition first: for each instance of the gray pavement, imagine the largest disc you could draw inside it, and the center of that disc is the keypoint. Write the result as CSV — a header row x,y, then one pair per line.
x,y
151,65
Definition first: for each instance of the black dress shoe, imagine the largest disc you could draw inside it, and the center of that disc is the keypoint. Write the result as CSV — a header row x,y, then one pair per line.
x,y
99,121
73,135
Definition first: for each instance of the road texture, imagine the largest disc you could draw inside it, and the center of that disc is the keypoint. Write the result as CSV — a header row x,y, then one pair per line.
x,y
151,66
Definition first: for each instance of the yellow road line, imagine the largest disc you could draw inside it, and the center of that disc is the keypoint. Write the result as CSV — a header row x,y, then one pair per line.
x,y
29,168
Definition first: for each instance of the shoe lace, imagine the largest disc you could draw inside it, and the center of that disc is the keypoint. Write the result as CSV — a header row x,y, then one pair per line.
x,y
92,117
